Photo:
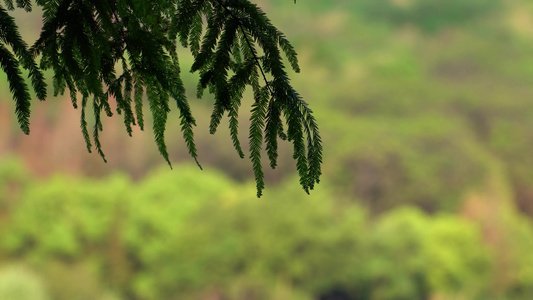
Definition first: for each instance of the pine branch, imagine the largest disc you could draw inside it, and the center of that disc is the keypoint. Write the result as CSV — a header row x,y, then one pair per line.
x,y
256,129
158,100
138,98
246,39
237,84
10,35
83,42
17,87
97,109
83,122
9,4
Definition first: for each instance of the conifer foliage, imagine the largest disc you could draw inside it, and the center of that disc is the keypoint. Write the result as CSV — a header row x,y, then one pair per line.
x,y
126,50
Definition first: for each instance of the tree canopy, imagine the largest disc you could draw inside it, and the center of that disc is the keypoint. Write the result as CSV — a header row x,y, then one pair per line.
x,y
126,50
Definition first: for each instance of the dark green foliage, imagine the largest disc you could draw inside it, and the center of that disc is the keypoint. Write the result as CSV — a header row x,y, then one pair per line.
x,y
110,49
10,63
17,87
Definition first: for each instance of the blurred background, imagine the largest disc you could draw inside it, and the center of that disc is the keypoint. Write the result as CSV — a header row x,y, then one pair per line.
x,y
426,112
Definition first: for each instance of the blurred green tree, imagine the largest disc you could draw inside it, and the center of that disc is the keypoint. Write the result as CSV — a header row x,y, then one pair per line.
x,y
123,49
111,235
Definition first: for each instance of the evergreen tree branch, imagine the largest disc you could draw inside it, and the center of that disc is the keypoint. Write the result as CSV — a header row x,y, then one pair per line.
x,y
122,49
18,88
246,39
